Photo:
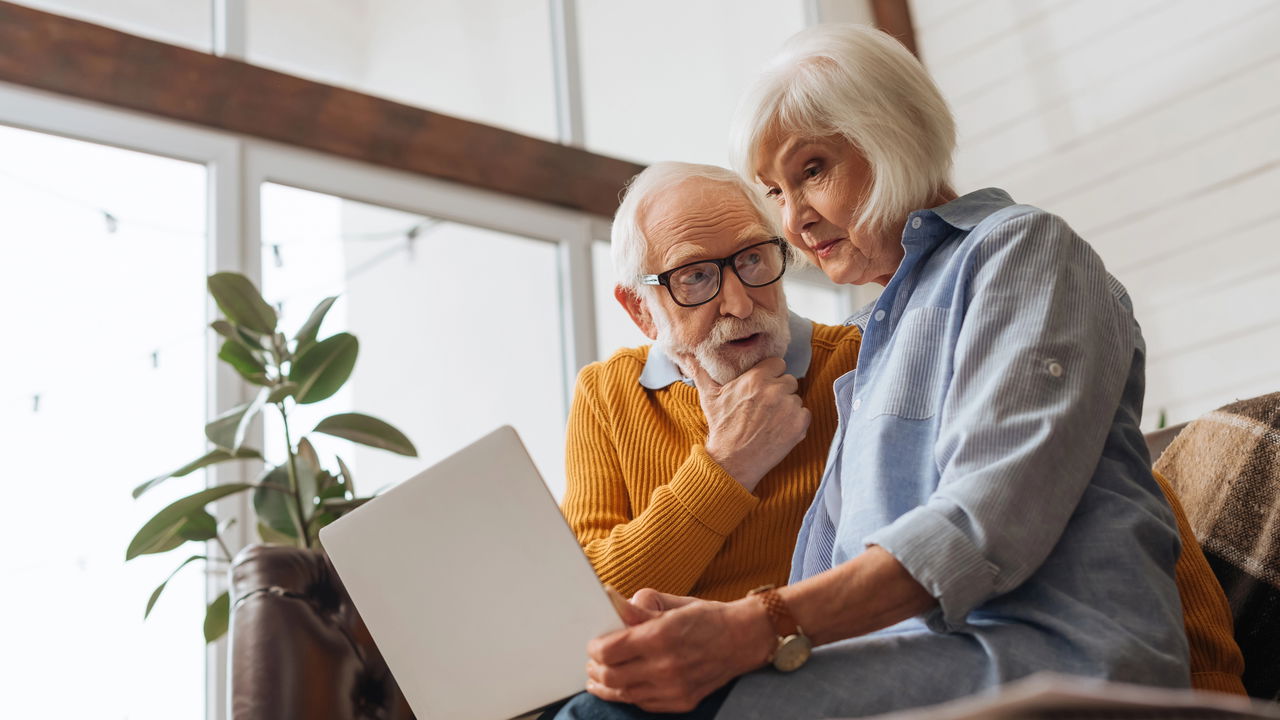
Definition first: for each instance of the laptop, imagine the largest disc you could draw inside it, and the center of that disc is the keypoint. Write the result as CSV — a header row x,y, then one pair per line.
x,y
473,586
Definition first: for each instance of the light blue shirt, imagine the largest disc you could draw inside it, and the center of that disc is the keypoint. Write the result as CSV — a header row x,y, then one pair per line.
x,y
989,441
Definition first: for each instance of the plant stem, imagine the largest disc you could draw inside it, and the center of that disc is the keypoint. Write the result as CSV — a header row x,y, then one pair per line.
x,y
223,545
293,481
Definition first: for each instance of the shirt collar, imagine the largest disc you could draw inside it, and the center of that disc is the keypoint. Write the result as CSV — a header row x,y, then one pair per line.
x,y
660,371
966,211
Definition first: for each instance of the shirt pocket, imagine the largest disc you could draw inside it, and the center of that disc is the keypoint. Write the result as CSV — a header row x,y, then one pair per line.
x,y
910,381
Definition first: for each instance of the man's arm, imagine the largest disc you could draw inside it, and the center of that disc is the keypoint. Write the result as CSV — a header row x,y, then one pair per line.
x,y
669,545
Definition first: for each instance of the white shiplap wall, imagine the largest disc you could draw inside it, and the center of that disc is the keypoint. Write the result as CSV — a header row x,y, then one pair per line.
x,y
1153,127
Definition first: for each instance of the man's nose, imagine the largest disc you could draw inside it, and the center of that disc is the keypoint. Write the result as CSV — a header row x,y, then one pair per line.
x,y
734,299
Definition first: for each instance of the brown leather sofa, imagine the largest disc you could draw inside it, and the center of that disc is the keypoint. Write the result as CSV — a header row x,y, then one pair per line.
x,y
299,650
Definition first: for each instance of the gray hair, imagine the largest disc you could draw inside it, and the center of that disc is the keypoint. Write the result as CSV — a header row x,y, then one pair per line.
x,y
628,239
859,83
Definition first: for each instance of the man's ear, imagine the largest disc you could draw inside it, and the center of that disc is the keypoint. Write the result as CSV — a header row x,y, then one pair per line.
x,y
637,309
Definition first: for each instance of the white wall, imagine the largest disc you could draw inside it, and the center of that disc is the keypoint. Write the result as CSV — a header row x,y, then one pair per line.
x,y
1153,127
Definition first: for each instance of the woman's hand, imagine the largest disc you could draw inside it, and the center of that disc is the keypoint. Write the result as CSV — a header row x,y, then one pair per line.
x,y
672,661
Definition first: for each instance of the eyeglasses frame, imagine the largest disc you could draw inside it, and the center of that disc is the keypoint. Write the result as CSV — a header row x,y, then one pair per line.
x,y
664,278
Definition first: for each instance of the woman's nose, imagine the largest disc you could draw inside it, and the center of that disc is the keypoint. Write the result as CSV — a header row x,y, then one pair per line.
x,y
798,215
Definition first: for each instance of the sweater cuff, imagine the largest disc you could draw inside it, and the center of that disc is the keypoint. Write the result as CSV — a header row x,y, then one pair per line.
x,y
943,560
709,494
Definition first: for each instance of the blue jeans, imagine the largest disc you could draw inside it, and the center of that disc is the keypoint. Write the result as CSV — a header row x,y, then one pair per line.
x,y
585,706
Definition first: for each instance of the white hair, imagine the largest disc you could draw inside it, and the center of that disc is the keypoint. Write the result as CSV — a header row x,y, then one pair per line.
x,y
859,83
628,239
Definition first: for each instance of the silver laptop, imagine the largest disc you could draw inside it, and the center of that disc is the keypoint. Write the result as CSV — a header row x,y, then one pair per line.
x,y
472,585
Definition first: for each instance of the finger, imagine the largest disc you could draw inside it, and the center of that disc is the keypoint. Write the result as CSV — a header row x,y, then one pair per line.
x,y
703,381
632,695
614,648
633,613
649,599
771,367
628,675
789,382
668,601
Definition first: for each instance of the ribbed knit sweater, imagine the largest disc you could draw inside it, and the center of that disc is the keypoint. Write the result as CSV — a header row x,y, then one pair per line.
x,y
652,509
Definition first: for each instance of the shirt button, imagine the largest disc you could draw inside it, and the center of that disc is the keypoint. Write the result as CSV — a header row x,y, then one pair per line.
x,y
915,223
879,315
857,403
1055,368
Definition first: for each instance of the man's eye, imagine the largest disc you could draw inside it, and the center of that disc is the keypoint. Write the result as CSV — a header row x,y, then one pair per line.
x,y
749,259
694,277
773,193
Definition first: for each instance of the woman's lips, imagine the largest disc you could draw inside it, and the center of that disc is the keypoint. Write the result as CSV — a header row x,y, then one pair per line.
x,y
826,247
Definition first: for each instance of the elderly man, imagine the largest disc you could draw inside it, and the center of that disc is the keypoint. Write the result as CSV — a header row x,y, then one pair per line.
x,y
689,493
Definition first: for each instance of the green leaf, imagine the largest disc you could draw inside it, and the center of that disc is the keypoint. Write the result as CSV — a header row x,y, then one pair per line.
x,y
231,331
216,617
244,361
200,526
275,538
307,333
160,532
282,391
310,475
213,457
337,490
367,430
155,594
324,367
320,520
228,429
348,479
343,507
274,503
241,302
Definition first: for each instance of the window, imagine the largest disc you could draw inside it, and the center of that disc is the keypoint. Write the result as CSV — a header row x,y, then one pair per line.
x,y
181,22
102,264
459,327
485,60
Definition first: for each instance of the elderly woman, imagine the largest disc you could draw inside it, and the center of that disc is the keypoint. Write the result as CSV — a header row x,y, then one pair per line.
x,y
988,509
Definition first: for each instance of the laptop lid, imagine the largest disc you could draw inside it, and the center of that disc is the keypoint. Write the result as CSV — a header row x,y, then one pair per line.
x,y
472,585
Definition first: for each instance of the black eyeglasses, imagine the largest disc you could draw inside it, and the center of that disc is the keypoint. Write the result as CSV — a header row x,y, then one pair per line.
x,y
699,282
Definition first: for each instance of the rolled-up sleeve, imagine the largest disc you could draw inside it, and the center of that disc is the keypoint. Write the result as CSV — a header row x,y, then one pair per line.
x,y
1040,361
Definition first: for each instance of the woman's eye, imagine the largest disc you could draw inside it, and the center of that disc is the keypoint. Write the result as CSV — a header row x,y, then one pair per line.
x,y
810,170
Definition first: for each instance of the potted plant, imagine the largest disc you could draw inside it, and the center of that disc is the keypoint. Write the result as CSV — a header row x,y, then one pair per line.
x,y
292,498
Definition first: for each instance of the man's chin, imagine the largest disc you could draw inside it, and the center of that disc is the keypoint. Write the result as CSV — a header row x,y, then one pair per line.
x,y
727,362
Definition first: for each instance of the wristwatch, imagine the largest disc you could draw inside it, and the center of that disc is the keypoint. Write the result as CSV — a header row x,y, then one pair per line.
x,y
794,646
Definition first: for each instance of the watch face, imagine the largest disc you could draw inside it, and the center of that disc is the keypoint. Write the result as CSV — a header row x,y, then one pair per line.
x,y
792,652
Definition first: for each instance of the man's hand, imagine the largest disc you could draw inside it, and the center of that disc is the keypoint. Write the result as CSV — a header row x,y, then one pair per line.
x,y
671,662
753,421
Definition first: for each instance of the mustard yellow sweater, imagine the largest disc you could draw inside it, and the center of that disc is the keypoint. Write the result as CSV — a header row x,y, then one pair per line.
x,y
652,509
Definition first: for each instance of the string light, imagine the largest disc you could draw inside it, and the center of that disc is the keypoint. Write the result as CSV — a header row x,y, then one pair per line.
x,y
113,224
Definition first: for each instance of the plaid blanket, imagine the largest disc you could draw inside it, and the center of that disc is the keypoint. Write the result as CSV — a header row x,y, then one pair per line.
x,y
1225,467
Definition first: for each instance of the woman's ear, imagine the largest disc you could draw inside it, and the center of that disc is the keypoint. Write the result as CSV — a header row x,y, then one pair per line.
x,y
637,309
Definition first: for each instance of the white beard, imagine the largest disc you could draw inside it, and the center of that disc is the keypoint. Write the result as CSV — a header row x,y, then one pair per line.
x,y
724,366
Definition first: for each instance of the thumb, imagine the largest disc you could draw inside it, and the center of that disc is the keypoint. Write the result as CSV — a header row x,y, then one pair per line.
x,y
704,382
630,614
